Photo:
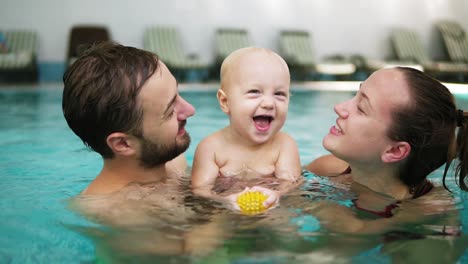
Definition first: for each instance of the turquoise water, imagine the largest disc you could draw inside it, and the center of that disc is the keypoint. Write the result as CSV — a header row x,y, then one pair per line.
x,y
42,164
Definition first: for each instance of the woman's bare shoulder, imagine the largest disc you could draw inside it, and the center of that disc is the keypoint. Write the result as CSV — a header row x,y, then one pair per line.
x,y
327,165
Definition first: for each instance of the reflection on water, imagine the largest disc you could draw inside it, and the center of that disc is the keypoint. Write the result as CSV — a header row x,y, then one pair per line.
x,y
165,228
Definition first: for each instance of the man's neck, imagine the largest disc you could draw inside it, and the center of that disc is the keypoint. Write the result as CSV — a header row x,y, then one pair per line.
x,y
118,173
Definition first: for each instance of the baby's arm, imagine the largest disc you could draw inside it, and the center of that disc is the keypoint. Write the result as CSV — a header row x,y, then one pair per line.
x,y
205,171
288,165
288,169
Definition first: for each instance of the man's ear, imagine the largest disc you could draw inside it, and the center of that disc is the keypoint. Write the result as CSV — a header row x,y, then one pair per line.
x,y
396,152
222,99
121,144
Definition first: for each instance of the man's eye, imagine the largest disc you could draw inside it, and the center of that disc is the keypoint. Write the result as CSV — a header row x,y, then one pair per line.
x,y
171,114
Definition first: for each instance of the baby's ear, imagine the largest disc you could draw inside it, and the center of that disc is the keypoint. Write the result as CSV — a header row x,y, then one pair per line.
x,y
223,102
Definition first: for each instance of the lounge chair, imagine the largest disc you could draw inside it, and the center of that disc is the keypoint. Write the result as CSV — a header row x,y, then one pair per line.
x,y
296,49
228,40
19,63
455,40
82,37
167,44
409,49
372,65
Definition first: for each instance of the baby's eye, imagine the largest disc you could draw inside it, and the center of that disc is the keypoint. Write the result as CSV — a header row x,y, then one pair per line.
x,y
253,91
280,93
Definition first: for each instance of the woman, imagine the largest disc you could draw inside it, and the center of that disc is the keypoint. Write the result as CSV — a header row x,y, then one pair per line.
x,y
398,128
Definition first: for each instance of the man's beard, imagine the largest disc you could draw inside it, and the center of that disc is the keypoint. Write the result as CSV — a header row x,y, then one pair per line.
x,y
153,155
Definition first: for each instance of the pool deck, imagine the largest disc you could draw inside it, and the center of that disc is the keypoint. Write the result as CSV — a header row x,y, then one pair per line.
x,y
455,88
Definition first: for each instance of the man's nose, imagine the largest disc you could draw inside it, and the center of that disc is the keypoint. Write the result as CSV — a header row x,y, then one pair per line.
x,y
186,110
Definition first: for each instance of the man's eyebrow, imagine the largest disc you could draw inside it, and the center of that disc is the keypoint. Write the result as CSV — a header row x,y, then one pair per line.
x,y
168,107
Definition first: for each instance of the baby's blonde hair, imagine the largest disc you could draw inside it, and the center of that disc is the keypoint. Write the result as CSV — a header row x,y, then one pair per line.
x,y
233,58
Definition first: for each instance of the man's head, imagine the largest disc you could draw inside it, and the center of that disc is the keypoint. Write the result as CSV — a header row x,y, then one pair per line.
x,y
111,97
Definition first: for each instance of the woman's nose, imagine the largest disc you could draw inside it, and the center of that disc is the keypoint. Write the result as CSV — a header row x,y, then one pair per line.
x,y
341,109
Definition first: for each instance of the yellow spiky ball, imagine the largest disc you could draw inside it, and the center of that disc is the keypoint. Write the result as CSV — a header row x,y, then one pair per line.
x,y
251,202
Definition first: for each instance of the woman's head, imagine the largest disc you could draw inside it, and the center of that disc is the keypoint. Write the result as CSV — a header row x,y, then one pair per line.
x,y
360,134
427,124
400,116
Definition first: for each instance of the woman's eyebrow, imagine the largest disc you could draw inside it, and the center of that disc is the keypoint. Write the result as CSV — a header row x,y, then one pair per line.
x,y
364,96
366,99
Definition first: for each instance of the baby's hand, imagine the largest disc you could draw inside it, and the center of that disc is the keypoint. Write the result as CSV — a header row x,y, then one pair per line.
x,y
232,199
272,196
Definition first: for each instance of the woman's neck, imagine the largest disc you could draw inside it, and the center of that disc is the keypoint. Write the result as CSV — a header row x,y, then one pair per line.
x,y
382,180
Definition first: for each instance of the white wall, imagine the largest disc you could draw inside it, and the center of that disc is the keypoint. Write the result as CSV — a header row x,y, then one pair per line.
x,y
337,26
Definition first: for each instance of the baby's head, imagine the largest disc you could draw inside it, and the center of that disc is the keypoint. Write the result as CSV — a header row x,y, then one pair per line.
x,y
255,92
242,64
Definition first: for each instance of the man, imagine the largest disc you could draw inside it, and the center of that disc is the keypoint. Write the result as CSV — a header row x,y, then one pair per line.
x,y
123,103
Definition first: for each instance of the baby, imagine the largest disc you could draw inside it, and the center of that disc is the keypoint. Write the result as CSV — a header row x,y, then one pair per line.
x,y
254,94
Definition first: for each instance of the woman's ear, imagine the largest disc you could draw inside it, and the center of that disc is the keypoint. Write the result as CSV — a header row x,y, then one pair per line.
x,y
121,144
222,99
396,152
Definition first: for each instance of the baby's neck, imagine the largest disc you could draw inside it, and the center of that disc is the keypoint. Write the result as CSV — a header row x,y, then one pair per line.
x,y
232,136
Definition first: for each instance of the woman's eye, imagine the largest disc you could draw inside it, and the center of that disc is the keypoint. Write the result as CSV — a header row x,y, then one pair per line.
x,y
254,91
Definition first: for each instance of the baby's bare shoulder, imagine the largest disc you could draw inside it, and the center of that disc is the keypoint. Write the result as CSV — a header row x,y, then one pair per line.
x,y
212,141
284,139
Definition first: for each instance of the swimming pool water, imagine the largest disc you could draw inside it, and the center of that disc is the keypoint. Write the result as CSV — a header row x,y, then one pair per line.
x,y
42,164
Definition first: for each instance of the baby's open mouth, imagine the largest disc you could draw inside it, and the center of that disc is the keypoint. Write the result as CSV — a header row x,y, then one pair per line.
x,y
262,122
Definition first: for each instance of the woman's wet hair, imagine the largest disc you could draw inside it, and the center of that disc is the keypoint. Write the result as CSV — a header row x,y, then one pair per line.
x,y
428,124
100,93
